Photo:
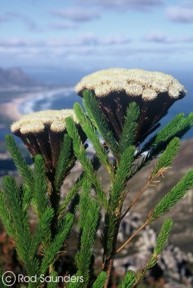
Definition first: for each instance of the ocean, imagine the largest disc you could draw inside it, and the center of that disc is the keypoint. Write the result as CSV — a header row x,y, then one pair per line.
x,y
58,98
64,98
67,97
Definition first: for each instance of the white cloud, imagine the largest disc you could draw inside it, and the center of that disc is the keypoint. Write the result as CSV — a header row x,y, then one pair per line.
x,y
142,5
3,18
66,25
91,49
83,45
19,43
187,39
77,14
180,14
162,38
81,41
25,20
92,40
157,37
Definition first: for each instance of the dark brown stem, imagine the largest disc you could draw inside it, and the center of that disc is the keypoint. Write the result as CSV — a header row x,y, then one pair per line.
x,y
54,201
151,180
109,272
111,241
138,196
147,222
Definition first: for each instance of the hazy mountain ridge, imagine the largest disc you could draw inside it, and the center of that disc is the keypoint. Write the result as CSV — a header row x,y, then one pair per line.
x,y
15,77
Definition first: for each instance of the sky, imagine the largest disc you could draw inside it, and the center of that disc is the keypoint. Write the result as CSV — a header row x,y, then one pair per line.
x,y
87,35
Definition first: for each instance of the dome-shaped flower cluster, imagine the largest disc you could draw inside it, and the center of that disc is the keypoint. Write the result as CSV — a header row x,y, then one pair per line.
x,y
43,132
115,88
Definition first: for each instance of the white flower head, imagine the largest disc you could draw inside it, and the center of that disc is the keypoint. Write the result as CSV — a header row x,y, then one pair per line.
x,y
116,88
43,132
133,82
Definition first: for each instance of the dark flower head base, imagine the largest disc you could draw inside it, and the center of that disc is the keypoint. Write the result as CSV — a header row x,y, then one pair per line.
x,y
154,92
43,132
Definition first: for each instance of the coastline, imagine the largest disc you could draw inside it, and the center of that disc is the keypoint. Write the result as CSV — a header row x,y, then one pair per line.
x,y
11,109
14,109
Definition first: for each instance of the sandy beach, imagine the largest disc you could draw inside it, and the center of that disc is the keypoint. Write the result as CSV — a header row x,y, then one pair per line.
x,y
14,108
11,109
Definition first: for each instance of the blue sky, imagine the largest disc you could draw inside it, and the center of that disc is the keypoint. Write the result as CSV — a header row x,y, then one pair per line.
x,y
91,34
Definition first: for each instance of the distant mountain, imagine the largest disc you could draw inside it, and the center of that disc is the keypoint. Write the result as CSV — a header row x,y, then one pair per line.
x,y
15,77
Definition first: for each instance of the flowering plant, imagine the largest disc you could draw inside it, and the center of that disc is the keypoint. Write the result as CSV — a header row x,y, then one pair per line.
x,y
121,110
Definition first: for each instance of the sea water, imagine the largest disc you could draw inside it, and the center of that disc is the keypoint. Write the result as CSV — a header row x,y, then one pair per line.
x,y
66,99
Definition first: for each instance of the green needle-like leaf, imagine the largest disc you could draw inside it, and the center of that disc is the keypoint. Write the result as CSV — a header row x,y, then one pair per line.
x,y
167,156
96,116
80,153
100,281
129,128
128,281
65,161
171,198
92,136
